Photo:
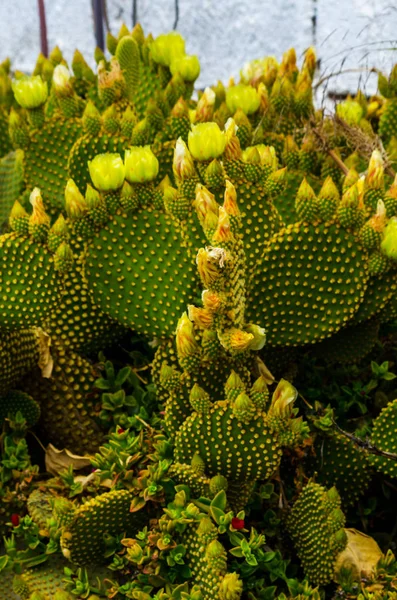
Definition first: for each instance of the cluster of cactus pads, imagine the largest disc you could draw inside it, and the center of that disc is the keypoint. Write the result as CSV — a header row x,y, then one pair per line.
x,y
197,331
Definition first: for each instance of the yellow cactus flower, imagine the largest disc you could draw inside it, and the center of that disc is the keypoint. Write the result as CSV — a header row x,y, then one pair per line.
x,y
244,97
188,67
166,47
206,141
140,164
30,92
107,171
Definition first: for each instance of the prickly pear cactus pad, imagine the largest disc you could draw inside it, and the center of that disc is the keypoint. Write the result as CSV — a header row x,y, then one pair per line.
x,y
315,525
11,182
134,264
30,274
15,401
383,437
19,353
68,402
338,462
83,540
310,281
46,580
191,257
351,344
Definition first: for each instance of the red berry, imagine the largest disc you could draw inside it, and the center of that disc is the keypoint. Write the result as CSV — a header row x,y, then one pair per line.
x,y
120,430
15,520
238,523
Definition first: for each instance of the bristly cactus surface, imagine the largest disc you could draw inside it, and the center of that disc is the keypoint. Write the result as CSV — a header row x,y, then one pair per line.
x,y
248,241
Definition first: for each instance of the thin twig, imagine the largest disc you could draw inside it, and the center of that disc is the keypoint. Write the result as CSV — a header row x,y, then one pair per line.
x,y
366,444
342,72
325,146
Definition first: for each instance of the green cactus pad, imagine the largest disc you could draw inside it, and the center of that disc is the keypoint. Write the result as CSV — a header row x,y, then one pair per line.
x,y
83,541
29,284
381,289
384,438
15,401
338,462
19,353
315,525
310,280
46,159
5,142
138,272
86,148
68,402
226,444
388,121
76,323
39,507
46,579
11,182
351,344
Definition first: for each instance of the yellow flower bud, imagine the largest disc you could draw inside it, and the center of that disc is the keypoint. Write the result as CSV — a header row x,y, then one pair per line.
x,y
76,204
389,242
140,164
39,216
185,342
223,232
183,165
206,141
107,171
205,203
283,398
231,587
259,338
244,97
230,200
188,67
200,316
166,47
30,92
239,340
61,77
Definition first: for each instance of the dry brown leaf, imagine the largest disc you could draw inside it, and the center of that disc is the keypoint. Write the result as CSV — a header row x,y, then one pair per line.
x,y
59,460
361,554
46,362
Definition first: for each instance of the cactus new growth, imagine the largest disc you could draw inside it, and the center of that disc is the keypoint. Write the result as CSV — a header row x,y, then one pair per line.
x,y
173,262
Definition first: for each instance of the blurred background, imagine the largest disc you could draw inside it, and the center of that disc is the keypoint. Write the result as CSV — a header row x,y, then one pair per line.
x,y
351,38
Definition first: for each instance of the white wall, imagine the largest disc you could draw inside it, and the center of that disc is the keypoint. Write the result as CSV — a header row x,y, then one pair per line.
x,y
351,34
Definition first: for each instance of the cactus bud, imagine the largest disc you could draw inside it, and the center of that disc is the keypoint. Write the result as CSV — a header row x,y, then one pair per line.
x,y
259,336
205,203
167,47
75,203
141,165
230,587
283,398
202,317
217,484
389,243
199,399
185,341
30,92
63,258
107,171
223,232
230,200
244,97
61,80
183,165
19,218
187,66
206,141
